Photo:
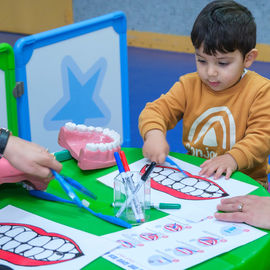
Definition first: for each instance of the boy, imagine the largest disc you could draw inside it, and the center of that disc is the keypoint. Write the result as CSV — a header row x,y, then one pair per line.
x,y
225,108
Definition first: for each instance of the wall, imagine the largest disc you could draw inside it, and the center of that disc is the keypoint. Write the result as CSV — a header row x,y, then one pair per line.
x,y
167,24
34,16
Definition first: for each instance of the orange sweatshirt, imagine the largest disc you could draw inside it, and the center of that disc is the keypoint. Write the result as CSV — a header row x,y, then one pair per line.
x,y
234,121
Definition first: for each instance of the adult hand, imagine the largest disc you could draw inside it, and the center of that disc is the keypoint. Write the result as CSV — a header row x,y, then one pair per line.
x,y
218,165
251,209
31,159
155,146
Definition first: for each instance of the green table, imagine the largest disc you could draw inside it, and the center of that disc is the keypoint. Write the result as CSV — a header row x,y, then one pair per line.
x,y
251,256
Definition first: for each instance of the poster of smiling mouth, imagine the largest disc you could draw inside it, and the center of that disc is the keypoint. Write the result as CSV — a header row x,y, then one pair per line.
x,y
197,195
27,240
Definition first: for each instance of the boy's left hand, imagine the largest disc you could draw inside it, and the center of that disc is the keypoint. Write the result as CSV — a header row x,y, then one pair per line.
x,y
218,165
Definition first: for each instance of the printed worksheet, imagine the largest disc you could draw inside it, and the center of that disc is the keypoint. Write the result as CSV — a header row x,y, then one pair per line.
x,y
197,195
30,241
175,243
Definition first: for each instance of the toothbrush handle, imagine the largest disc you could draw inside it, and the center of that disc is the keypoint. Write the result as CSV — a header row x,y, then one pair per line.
x,y
47,196
111,219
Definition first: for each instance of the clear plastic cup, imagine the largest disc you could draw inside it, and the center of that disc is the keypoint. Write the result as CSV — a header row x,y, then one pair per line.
x,y
131,206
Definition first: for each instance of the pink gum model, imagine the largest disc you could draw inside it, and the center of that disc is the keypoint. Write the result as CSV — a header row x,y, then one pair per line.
x,y
75,141
8,174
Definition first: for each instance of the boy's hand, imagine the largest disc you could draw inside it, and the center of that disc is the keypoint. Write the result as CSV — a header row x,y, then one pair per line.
x,y
218,165
155,146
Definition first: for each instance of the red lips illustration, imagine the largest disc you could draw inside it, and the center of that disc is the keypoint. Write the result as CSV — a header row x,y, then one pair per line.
x,y
27,245
191,187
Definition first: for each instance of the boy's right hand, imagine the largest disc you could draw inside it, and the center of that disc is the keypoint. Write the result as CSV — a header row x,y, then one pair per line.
x,y
155,146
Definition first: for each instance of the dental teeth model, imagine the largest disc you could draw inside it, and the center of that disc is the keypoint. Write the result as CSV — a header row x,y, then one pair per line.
x,y
93,147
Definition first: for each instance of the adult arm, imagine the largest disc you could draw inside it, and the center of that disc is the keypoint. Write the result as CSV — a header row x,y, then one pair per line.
x,y
251,209
30,158
32,161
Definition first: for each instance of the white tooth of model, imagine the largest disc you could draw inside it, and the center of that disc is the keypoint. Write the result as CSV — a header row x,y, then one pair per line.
x,y
106,131
114,144
117,141
113,135
70,126
90,128
99,129
110,146
102,147
82,128
92,147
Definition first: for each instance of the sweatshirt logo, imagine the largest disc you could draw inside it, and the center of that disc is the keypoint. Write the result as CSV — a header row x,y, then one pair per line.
x,y
204,130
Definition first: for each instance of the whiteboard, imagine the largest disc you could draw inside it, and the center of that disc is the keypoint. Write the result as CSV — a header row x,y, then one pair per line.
x,y
76,73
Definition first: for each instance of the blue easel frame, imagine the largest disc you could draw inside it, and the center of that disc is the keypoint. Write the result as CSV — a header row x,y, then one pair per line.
x,y
25,47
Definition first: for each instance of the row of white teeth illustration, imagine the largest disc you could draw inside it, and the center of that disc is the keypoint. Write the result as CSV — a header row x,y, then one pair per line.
x,y
97,146
23,241
188,185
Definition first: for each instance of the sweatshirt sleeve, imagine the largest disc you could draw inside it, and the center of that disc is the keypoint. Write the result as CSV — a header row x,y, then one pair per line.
x,y
165,112
254,148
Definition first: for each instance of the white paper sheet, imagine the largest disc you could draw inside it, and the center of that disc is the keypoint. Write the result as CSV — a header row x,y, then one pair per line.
x,y
174,243
194,210
29,241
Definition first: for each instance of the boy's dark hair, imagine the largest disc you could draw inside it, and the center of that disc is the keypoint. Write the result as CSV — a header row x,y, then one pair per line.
x,y
224,26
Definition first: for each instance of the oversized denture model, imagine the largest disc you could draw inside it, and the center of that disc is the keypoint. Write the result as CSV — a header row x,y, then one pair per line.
x,y
9,174
93,147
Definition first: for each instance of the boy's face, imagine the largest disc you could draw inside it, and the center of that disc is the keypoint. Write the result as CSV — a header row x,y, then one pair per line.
x,y
220,71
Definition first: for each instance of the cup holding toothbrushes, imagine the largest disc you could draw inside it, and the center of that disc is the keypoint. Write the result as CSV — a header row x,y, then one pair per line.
x,y
138,210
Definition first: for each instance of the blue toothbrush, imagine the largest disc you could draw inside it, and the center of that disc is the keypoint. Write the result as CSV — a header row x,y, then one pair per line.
x,y
173,163
75,200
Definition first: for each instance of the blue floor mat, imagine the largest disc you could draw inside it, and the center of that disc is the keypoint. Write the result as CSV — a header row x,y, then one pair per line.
x,y
153,72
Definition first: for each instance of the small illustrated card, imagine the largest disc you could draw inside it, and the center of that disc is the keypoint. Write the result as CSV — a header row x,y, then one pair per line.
x,y
197,195
174,243
29,241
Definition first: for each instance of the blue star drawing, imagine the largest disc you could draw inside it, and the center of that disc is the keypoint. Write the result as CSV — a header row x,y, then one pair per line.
x,y
80,102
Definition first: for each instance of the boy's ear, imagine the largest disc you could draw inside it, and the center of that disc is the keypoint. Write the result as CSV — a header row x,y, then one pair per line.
x,y
250,57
